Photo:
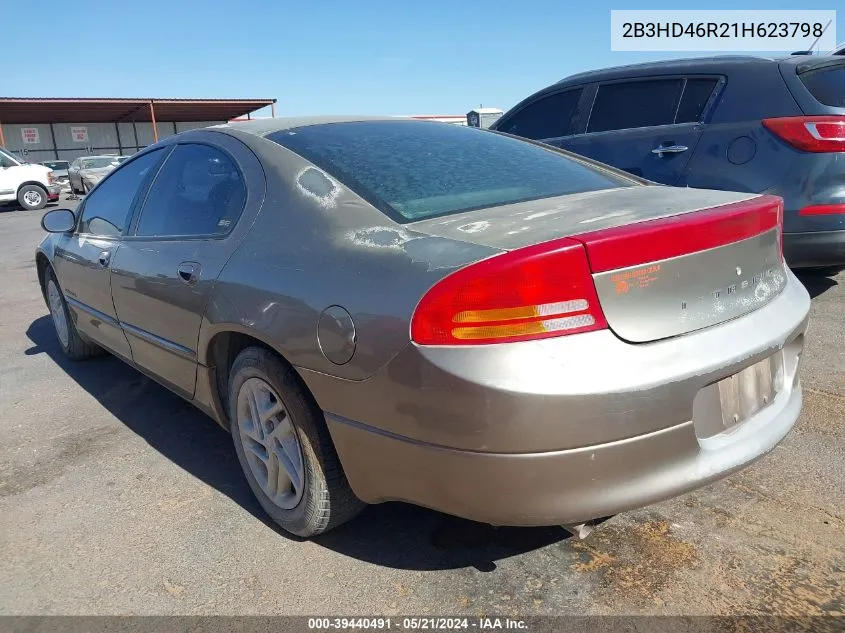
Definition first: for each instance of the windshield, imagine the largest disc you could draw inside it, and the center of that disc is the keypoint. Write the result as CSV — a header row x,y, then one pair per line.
x,y
414,170
97,162
56,164
10,158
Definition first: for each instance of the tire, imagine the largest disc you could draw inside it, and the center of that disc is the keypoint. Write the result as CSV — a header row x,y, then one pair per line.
x,y
32,197
84,188
73,345
324,499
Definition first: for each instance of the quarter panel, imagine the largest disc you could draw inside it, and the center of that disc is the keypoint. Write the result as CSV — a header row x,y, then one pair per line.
x,y
310,250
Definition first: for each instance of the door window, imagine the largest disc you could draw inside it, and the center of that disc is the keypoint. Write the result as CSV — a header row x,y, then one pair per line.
x,y
634,104
107,208
198,191
696,95
550,117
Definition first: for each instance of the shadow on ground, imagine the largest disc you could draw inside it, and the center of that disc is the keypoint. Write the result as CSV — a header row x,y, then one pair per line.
x,y
816,283
392,535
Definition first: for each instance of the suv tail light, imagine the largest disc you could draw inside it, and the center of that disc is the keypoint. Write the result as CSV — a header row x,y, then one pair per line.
x,y
535,292
810,133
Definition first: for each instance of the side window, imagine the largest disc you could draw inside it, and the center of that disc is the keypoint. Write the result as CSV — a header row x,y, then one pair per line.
x,y
696,94
107,208
634,104
549,117
198,191
5,162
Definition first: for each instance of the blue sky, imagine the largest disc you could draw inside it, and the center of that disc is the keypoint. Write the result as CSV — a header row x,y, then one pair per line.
x,y
368,57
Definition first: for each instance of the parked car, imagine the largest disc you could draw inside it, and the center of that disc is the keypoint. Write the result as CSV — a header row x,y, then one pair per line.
x,y
87,171
31,186
733,123
59,169
389,309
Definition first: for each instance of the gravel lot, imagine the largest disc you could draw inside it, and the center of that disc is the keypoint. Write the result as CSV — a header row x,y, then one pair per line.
x,y
116,497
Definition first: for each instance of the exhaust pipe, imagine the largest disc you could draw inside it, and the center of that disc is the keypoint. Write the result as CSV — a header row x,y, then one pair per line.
x,y
580,530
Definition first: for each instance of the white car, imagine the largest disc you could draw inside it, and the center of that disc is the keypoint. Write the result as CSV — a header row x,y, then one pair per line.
x,y
31,186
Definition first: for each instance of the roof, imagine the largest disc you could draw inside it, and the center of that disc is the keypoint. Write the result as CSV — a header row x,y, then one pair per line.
x,y
263,127
669,66
60,110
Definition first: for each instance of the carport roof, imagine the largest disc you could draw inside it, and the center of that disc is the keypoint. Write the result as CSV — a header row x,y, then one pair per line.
x,y
60,110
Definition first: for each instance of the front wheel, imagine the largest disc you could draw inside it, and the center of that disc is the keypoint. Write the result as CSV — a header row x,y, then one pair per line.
x,y
32,197
72,344
284,447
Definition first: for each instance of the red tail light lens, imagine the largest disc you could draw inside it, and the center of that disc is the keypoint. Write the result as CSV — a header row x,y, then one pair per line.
x,y
536,292
653,240
810,133
823,209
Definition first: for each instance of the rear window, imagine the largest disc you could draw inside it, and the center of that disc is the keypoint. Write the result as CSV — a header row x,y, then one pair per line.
x,y
827,85
696,95
413,170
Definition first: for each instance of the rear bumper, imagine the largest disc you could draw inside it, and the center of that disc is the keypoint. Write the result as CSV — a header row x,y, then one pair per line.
x,y
817,248
561,430
53,192
560,487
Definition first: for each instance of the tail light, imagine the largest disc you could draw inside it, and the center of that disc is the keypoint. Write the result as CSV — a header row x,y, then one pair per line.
x,y
810,133
535,292
51,178
547,289
823,209
653,240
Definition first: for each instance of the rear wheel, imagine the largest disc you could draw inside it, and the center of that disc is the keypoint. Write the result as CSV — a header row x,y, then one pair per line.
x,y
284,447
72,344
32,197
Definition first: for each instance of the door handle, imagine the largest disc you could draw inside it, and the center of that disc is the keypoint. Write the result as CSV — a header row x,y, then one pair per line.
x,y
669,149
103,258
189,272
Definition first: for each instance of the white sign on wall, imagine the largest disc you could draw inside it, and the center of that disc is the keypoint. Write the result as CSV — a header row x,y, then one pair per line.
x,y
79,134
30,135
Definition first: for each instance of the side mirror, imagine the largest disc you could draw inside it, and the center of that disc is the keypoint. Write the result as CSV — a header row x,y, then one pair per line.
x,y
58,221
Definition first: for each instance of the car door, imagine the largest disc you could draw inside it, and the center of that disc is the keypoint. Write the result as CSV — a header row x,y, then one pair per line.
x,y
190,223
73,174
8,180
648,127
82,259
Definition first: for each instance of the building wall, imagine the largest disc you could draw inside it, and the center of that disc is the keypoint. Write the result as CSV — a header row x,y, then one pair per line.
x,y
103,138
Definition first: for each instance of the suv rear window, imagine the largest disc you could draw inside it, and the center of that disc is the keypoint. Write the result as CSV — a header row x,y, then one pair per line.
x,y
413,170
827,85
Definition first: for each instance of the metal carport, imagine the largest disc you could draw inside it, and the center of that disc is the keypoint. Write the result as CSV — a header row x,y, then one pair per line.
x,y
58,128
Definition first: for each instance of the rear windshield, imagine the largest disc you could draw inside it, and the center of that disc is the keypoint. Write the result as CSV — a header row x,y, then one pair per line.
x,y
98,162
413,170
827,85
56,164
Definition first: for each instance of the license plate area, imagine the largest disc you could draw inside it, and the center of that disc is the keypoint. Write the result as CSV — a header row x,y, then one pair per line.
x,y
726,404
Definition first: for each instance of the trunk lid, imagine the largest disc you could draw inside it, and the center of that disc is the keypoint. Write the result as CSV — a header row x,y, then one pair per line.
x,y
665,261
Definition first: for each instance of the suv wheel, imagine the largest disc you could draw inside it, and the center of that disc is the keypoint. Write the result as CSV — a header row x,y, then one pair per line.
x,y
32,197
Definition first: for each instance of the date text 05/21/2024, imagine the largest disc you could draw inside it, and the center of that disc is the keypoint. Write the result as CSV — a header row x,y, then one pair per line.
x,y
415,623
